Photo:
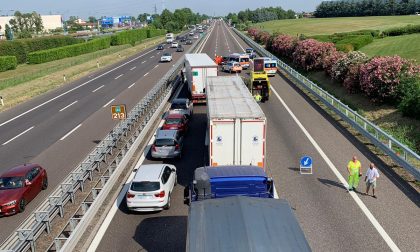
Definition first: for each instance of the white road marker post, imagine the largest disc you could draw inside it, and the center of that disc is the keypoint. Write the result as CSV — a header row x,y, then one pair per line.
x,y
97,63
64,77
1,101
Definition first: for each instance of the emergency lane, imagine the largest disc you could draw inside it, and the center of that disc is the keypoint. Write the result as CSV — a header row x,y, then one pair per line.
x,y
321,199
61,139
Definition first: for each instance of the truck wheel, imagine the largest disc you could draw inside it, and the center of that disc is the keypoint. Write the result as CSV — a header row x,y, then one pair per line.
x,y
168,205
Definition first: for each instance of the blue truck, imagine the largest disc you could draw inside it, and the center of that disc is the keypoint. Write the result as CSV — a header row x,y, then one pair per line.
x,y
225,181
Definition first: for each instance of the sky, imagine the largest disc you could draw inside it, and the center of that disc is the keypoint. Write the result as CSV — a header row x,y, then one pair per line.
x,y
98,8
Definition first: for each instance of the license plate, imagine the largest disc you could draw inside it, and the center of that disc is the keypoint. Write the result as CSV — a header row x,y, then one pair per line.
x,y
143,196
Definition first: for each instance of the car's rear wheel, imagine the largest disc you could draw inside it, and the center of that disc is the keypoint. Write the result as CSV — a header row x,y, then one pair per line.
x,y
22,205
45,183
168,205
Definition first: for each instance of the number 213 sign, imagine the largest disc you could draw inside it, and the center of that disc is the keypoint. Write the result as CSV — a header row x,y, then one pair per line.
x,y
118,112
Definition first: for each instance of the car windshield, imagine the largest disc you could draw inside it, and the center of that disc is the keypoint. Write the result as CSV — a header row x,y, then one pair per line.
x,y
166,54
145,186
248,50
270,65
11,183
178,106
164,142
173,120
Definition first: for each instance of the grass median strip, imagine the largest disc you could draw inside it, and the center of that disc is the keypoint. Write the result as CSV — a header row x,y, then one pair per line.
x,y
28,81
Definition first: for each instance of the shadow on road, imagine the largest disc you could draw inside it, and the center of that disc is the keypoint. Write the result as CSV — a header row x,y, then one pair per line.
x,y
330,183
161,237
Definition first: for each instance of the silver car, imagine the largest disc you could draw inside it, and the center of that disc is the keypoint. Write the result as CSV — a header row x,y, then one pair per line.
x,y
182,106
168,144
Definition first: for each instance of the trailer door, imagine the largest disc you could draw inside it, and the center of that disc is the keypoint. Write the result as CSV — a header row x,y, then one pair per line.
x,y
252,142
222,145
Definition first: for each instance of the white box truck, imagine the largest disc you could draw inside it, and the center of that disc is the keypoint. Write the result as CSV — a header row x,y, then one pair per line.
x,y
169,38
198,67
237,126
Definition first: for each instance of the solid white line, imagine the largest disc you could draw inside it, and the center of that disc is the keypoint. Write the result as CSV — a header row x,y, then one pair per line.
x,y
143,62
360,203
156,66
71,90
131,69
106,105
71,131
67,106
132,85
119,76
146,74
17,136
98,88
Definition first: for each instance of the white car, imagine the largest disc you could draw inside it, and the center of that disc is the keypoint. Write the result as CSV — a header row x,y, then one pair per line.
x,y
174,44
196,36
166,57
151,188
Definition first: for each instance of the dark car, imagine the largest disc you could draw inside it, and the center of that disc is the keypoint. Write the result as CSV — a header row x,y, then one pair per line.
x,y
19,186
188,42
177,37
180,48
160,47
182,40
176,122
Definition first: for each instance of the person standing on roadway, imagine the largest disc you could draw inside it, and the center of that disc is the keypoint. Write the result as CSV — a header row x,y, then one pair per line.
x,y
258,97
354,168
371,175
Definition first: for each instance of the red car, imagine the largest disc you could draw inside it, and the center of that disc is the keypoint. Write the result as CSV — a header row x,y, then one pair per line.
x,y
19,186
176,122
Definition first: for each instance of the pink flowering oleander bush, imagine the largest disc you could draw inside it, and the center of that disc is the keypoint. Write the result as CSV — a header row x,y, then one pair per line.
x,y
330,60
380,77
351,82
262,37
309,54
284,45
341,67
253,32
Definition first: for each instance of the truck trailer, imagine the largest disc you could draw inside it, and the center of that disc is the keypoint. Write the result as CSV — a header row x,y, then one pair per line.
x,y
237,126
198,67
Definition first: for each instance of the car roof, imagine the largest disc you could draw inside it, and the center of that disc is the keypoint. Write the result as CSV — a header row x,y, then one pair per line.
x,y
19,171
149,172
165,134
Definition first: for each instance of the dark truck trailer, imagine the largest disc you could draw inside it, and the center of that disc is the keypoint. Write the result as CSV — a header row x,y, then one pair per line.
x,y
243,224
226,181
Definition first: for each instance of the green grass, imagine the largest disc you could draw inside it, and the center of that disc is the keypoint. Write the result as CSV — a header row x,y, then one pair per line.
x,y
407,46
317,26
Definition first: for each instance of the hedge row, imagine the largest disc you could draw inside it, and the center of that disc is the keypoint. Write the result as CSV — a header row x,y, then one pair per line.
x,y
68,51
409,29
155,32
22,47
7,63
349,41
128,37
356,42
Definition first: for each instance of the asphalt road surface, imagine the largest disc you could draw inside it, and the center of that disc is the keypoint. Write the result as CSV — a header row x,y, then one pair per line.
x,y
58,129
331,218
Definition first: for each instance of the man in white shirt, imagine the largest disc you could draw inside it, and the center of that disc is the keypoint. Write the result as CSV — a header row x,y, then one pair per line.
x,y
371,175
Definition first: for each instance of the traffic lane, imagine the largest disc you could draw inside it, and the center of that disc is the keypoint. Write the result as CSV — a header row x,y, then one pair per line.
x,y
60,123
400,202
164,230
117,77
62,157
396,208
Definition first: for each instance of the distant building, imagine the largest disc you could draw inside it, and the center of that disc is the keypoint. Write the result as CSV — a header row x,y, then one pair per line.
x,y
50,22
308,14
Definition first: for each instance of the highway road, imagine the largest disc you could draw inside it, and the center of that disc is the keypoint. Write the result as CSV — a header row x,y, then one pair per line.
x,y
331,218
58,129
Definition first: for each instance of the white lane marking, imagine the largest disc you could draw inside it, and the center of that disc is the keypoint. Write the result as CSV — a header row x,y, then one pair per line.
x,y
156,66
146,74
98,88
71,90
106,105
143,62
17,136
131,69
330,164
71,131
152,56
118,76
132,85
158,53
67,106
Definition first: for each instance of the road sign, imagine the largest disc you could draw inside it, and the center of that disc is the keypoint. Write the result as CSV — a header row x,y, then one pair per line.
x,y
118,112
306,165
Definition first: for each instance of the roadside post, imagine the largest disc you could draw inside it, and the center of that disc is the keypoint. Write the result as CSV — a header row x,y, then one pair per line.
x,y
118,112
306,165
1,101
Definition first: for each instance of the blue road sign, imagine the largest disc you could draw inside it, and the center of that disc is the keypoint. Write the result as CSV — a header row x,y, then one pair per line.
x,y
306,161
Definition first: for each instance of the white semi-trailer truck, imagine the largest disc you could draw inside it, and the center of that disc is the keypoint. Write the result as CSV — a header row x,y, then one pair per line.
x,y
237,126
198,67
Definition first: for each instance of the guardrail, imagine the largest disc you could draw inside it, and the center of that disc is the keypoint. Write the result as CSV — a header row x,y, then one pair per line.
x,y
40,220
400,153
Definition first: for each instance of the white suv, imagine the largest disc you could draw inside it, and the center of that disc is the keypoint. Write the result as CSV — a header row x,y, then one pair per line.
x,y
174,44
151,188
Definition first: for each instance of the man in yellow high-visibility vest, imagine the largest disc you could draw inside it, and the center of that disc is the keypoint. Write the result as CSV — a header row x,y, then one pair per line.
x,y
354,168
258,97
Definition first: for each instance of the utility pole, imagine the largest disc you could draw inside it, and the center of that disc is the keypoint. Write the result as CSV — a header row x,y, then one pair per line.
x,y
155,9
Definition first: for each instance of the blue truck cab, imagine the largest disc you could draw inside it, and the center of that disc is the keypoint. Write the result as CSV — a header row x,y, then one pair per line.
x,y
225,181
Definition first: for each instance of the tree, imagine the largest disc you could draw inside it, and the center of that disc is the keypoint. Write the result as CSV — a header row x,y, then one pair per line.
x,y
143,17
24,24
72,20
92,19
9,32
37,22
166,17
